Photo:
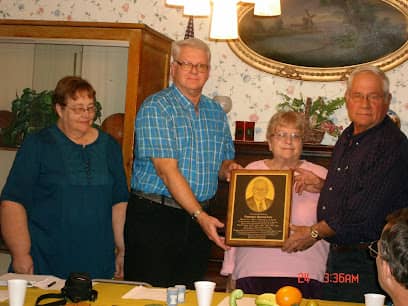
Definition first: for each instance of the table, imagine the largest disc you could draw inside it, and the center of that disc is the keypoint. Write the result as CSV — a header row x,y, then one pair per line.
x,y
110,295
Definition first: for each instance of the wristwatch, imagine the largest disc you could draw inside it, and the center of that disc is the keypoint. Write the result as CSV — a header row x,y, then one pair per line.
x,y
314,233
195,214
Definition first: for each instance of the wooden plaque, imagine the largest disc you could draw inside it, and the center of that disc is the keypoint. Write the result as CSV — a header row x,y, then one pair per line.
x,y
259,207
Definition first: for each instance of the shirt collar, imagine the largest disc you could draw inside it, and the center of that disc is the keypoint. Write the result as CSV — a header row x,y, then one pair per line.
x,y
360,136
186,102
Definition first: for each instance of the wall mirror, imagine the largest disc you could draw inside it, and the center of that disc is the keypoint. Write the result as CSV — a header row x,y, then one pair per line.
x,y
124,62
318,40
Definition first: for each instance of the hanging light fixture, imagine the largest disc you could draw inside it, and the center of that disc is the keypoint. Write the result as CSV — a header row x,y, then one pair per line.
x,y
224,21
267,8
197,7
175,2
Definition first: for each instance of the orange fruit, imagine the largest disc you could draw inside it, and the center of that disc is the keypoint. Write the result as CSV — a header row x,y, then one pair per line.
x,y
288,296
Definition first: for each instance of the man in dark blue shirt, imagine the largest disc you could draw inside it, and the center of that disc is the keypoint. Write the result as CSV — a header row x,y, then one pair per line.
x,y
366,181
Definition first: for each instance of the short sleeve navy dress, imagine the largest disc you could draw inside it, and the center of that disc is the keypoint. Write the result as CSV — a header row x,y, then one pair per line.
x,y
68,191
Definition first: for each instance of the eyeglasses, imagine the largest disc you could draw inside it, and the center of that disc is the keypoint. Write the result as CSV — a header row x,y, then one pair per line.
x,y
282,136
189,66
373,248
78,110
373,97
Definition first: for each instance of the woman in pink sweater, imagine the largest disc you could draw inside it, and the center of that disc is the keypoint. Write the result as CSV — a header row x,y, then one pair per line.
x,y
256,269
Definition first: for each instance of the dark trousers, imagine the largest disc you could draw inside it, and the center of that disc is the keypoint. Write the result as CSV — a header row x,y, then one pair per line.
x,y
259,285
164,246
350,274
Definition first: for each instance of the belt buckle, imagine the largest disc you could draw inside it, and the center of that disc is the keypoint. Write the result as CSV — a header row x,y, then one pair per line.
x,y
170,202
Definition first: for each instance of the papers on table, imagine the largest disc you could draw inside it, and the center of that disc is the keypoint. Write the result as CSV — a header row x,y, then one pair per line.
x,y
143,293
159,294
48,282
3,295
245,301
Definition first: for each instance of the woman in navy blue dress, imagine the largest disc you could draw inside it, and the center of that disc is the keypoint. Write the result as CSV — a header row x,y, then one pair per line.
x,y
63,205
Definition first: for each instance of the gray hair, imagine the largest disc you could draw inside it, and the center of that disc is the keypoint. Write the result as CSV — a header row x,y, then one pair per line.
x,y
194,43
394,245
373,69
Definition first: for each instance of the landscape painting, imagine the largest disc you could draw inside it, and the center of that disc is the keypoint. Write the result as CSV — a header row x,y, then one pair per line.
x,y
325,33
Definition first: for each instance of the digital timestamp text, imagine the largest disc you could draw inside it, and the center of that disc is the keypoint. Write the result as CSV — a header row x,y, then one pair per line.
x,y
331,278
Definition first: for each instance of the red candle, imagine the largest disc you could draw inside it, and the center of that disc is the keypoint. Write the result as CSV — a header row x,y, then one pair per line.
x,y
239,130
244,130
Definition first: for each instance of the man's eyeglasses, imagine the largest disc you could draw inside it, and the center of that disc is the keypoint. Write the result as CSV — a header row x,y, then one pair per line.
x,y
373,248
186,66
281,136
373,97
78,110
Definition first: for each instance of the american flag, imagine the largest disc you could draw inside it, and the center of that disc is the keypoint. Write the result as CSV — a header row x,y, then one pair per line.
x,y
190,29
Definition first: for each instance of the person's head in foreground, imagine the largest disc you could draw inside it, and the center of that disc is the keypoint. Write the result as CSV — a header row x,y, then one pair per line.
x,y
392,257
367,97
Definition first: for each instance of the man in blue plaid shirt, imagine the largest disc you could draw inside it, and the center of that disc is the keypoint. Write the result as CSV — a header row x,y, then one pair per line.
x,y
183,145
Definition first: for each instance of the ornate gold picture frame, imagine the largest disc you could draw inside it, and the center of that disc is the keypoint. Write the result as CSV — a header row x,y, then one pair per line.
x,y
259,207
318,40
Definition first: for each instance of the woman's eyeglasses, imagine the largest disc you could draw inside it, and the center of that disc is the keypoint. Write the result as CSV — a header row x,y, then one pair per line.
x,y
78,110
373,248
282,136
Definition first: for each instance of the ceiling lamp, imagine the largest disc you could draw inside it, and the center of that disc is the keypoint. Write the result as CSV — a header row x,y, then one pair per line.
x,y
197,7
267,8
224,21
175,2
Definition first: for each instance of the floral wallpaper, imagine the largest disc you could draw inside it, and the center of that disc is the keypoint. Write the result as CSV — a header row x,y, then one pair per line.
x,y
253,92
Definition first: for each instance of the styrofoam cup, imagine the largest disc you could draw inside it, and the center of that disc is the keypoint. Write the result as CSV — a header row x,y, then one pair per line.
x,y
204,291
374,299
17,290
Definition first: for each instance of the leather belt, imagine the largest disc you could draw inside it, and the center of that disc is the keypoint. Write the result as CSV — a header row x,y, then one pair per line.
x,y
349,247
163,200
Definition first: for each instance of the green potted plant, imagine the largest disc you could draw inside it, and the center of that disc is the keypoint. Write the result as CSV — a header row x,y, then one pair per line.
x,y
32,112
317,112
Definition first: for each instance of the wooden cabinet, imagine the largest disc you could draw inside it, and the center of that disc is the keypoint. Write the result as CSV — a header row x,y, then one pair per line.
x,y
148,58
246,152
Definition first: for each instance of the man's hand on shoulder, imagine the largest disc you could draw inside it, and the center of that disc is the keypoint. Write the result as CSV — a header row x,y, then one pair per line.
x,y
306,180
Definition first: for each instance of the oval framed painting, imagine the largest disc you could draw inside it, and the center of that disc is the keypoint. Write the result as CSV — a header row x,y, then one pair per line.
x,y
323,40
